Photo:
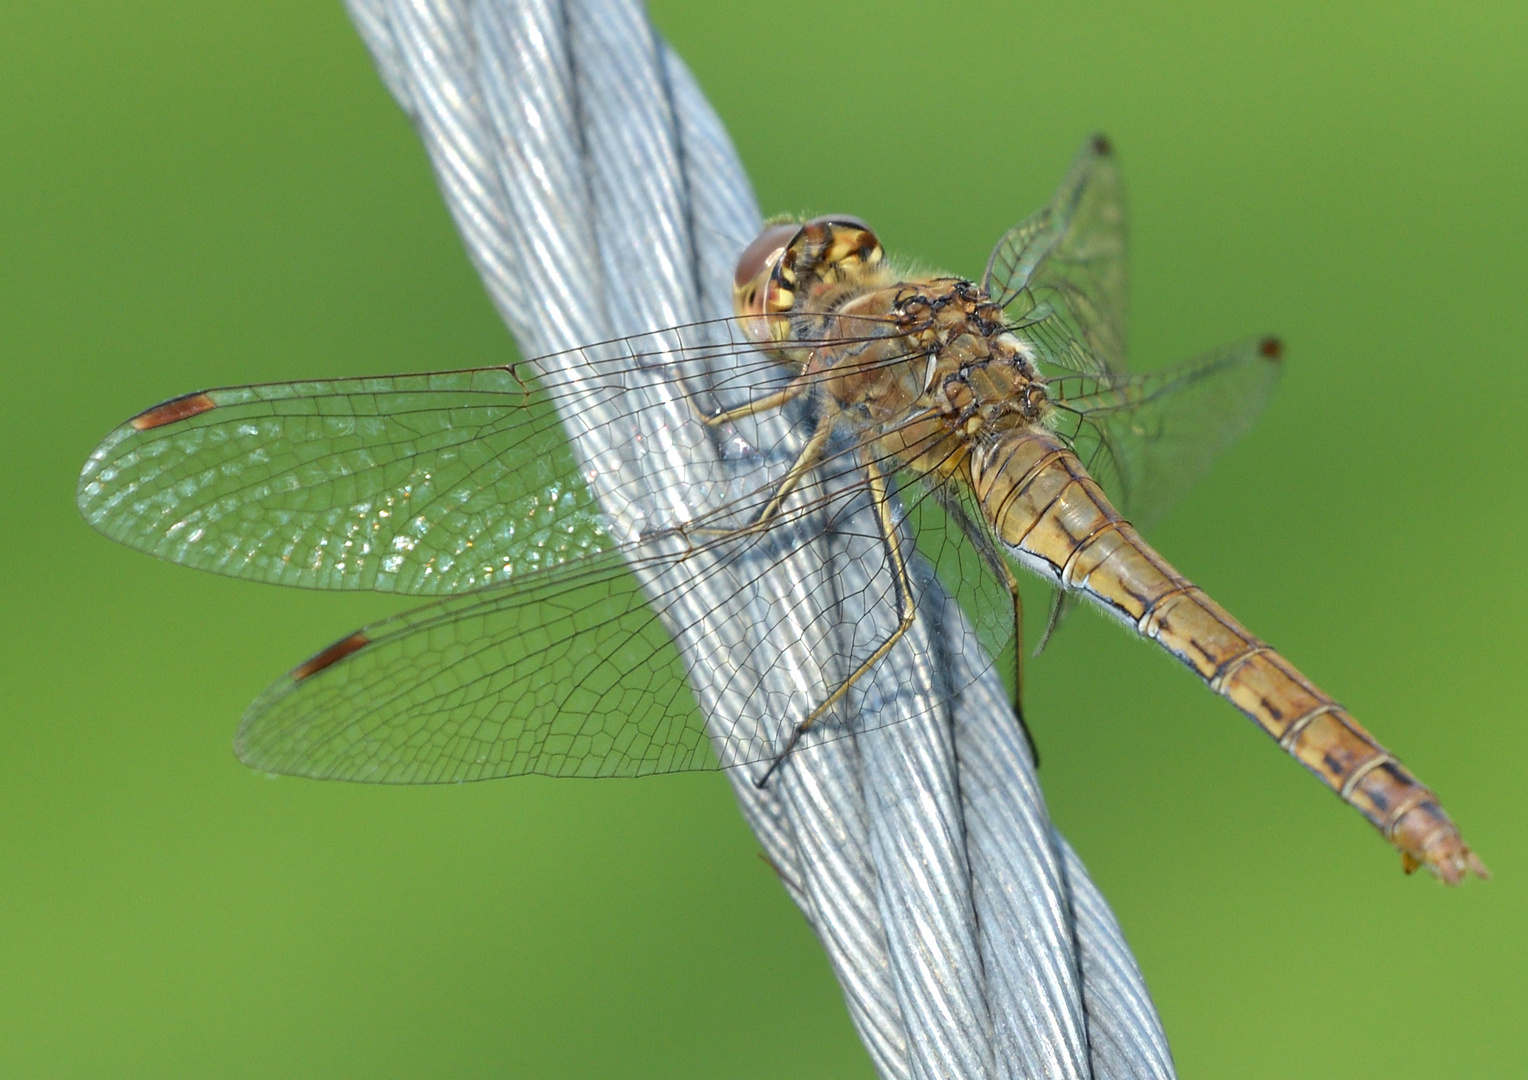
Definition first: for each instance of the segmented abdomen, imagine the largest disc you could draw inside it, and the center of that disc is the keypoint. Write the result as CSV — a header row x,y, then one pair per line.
x,y
1056,519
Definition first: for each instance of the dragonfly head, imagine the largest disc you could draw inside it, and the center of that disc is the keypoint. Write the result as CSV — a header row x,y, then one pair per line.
x,y
786,261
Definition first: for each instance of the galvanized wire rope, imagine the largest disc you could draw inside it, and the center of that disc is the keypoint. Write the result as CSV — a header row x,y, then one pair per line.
x,y
598,195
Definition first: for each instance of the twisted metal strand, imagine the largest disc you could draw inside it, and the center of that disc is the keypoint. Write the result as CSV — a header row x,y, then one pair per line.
x,y
598,195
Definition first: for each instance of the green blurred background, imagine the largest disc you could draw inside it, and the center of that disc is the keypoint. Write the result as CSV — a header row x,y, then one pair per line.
x,y
195,194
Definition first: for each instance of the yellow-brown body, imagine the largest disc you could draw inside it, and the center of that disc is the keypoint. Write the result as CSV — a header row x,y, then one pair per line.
x,y
926,372
1048,511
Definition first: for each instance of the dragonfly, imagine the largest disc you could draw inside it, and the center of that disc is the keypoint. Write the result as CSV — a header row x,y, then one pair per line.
x,y
944,433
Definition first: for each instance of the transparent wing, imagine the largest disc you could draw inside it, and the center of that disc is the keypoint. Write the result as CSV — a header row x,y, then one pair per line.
x,y
959,546
1061,276
412,483
572,675
423,484
1148,437
548,657
1061,273
571,671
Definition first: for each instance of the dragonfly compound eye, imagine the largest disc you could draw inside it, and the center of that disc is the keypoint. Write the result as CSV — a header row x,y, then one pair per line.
x,y
756,265
757,287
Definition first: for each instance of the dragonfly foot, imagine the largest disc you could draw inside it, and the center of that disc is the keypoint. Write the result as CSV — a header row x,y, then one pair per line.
x,y
790,744
1029,736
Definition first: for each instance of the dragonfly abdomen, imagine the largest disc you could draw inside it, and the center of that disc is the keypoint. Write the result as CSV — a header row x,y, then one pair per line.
x,y
1054,517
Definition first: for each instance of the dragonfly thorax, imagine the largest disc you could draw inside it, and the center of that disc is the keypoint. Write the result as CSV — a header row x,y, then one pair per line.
x,y
942,376
924,366
979,375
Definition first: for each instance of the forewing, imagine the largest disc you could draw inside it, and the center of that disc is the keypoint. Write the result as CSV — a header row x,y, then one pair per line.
x,y
1147,438
544,656
423,484
1061,273
408,483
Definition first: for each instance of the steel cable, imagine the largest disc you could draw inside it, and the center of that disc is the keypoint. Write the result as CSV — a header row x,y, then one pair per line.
x,y
598,195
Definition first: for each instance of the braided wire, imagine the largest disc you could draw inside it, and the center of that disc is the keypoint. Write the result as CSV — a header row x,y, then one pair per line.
x,y
594,188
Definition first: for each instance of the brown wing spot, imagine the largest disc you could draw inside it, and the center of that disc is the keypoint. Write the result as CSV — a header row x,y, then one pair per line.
x,y
1272,348
1102,146
171,411
330,656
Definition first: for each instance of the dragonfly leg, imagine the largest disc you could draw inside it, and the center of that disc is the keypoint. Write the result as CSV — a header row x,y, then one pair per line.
x,y
999,566
1018,661
907,608
1061,601
810,455
791,391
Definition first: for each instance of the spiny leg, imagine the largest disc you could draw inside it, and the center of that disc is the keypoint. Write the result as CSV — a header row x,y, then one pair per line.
x,y
906,607
1018,661
810,455
999,566
769,402
1061,603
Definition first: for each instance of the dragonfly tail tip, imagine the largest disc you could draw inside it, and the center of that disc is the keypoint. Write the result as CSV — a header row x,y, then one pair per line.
x,y
1476,866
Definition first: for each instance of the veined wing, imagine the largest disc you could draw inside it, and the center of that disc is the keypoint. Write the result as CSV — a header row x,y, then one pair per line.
x,y
405,483
561,673
1061,277
573,671
1148,437
1061,273
566,673
423,484
548,658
